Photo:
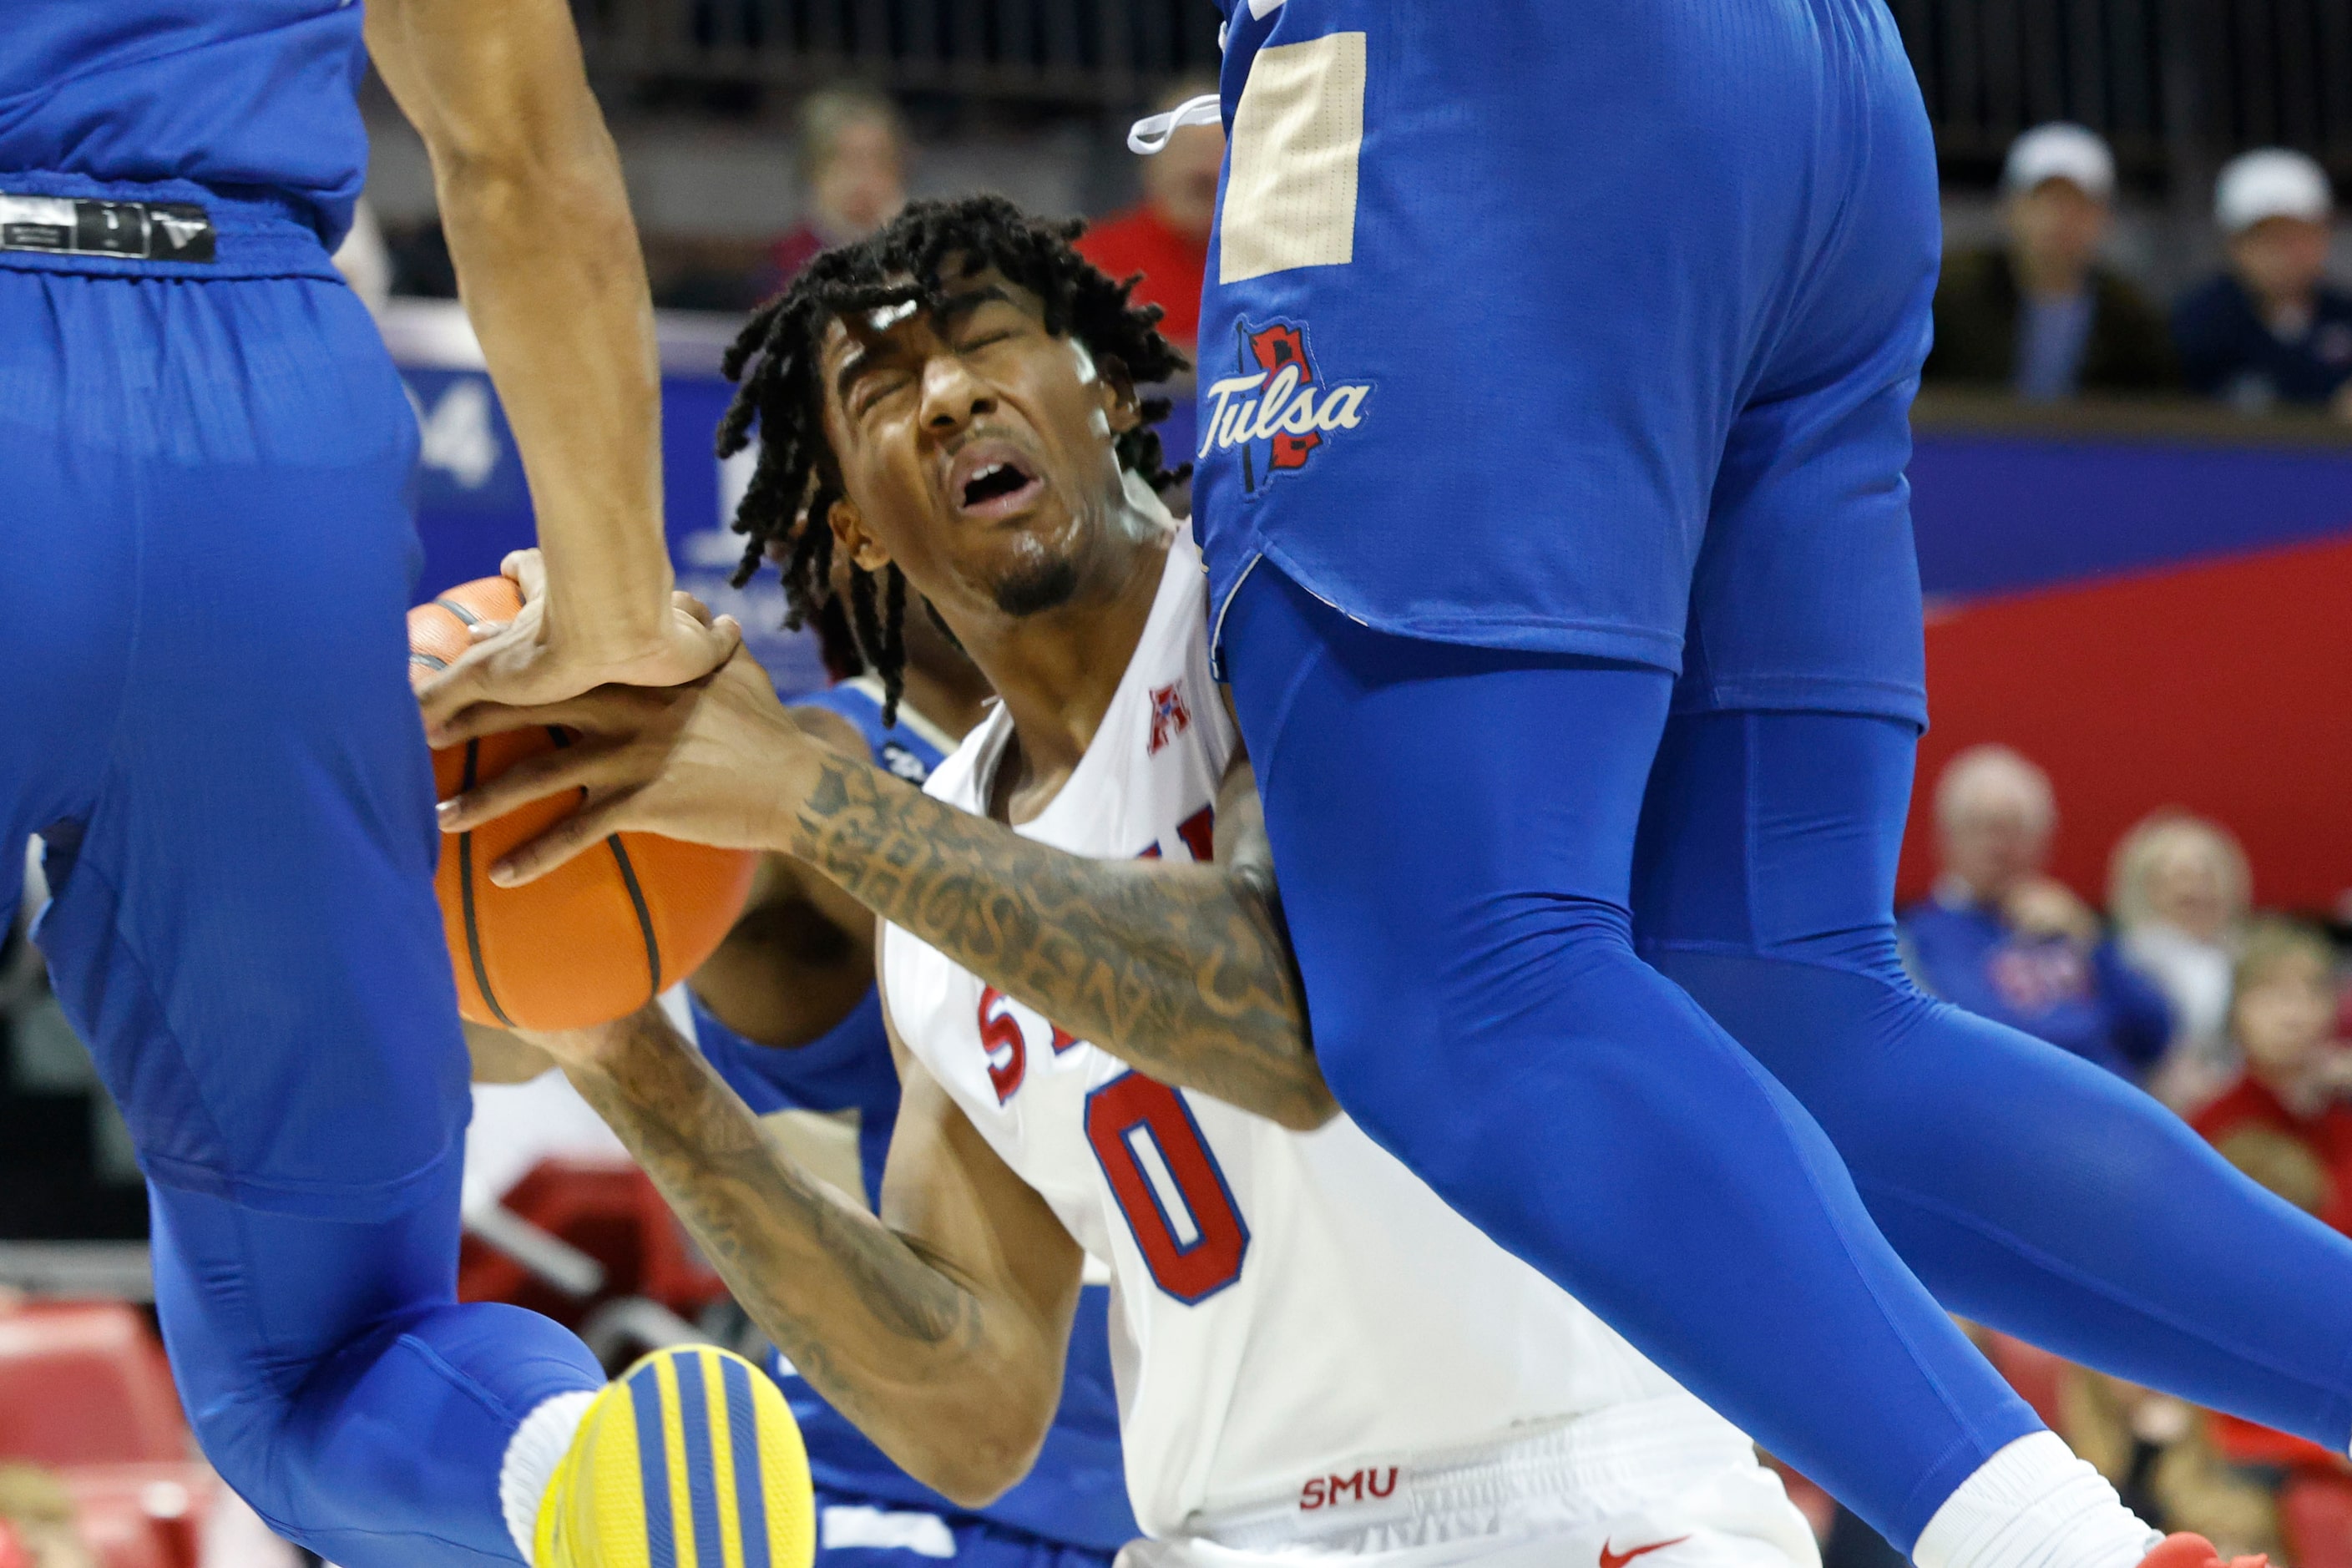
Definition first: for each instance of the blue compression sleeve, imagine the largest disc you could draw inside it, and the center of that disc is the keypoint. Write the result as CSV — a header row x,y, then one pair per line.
x,y
1454,828
210,726
2030,1190
337,1383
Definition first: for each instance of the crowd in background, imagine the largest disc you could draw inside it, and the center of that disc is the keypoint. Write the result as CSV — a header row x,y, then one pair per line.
x,y
2043,316
851,150
2234,1017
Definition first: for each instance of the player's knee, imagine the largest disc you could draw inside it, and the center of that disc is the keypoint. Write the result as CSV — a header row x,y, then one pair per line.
x,y
242,1437
1485,1003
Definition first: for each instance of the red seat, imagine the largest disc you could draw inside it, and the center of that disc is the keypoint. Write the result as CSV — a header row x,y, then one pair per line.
x,y
2315,1517
142,1515
615,1215
2243,1443
86,1384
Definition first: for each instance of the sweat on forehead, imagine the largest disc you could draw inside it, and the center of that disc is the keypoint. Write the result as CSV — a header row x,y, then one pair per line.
x,y
944,304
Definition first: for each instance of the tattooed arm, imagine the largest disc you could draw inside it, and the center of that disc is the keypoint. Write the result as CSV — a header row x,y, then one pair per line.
x,y
940,1328
1182,971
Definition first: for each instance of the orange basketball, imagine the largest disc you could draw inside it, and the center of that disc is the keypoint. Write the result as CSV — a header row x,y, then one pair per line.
x,y
599,936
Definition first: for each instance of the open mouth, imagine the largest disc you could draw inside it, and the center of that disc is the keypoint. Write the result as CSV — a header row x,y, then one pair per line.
x,y
991,483
994,481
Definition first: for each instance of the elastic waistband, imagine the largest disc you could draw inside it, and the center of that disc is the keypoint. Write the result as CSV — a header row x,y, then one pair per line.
x,y
1654,1445
164,229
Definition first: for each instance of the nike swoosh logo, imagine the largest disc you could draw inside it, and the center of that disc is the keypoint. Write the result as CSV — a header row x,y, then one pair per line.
x,y
1619,1559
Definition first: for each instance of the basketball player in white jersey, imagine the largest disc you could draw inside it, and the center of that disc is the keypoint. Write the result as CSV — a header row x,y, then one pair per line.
x,y
1316,1359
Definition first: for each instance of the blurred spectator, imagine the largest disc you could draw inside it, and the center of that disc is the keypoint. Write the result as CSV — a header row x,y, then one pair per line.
x,y
1166,235
2040,315
38,1521
2178,887
2270,330
2159,1456
2003,939
2287,1121
853,159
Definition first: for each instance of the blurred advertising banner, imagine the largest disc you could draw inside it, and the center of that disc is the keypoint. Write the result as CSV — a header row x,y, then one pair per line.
x,y
473,506
2153,603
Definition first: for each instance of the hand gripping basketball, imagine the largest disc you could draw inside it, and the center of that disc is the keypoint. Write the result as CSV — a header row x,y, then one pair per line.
x,y
601,935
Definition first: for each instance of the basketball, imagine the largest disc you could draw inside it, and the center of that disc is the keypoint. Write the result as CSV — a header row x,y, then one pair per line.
x,y
601,935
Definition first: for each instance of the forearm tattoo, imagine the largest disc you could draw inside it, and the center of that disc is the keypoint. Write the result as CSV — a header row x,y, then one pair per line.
x,y
1183,973
838,1292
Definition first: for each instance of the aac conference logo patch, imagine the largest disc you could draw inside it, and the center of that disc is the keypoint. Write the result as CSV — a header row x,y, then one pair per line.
x,y
1277,409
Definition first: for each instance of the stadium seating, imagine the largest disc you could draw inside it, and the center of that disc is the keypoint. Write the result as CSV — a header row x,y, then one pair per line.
x,y
616,1216
85,1393
86,1384
142,1515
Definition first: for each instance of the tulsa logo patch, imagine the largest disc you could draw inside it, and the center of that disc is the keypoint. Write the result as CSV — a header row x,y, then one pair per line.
x,y
1275,408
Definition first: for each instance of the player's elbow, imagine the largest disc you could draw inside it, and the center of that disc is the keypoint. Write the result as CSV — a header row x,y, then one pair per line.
x,y
973,1463
496,183
1307,1107
974,1485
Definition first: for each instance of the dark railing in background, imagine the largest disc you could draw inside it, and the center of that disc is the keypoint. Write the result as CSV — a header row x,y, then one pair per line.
x,y
1050,53
2176,84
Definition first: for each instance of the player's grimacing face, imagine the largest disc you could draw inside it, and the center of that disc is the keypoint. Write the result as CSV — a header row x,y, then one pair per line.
x,y
976,449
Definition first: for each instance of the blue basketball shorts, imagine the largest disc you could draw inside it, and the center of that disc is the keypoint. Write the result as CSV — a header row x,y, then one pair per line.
x,y
209,558
1582,330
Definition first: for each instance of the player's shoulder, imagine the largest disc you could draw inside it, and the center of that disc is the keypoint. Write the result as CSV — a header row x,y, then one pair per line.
x,y
911,749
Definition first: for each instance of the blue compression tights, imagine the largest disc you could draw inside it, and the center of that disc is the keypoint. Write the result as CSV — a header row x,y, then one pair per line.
x,y
1455,830
208,718
2027,1188
337,1383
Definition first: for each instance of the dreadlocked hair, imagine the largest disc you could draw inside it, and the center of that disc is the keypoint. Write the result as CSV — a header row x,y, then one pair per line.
x,y
787,509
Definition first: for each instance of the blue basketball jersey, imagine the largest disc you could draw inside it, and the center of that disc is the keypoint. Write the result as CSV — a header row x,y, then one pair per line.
x,y
1581,330
252,98
1077,1492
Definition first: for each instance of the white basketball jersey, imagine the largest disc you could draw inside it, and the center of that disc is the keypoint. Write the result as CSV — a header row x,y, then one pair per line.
x,y
1293,1314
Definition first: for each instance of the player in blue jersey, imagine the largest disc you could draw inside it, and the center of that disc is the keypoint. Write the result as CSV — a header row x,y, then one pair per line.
x,y
1556,363
796,976
209,722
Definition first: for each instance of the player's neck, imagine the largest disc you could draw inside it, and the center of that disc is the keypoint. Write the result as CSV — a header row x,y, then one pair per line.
x,y
1058,672
950,696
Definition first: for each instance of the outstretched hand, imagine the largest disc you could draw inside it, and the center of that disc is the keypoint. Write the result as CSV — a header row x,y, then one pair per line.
x,y
710,761
540,656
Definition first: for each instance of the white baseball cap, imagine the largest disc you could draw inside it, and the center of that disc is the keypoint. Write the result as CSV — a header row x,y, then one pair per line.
x,y
2061,150
2270,181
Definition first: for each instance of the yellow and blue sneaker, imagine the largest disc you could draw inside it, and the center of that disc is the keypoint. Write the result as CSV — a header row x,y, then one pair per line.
x,y
690,1459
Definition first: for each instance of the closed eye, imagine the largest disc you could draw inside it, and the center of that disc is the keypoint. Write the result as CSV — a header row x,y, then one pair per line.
x,y
873,389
